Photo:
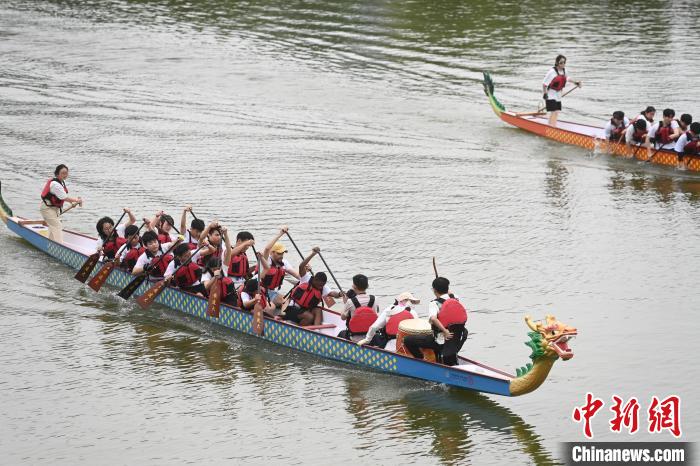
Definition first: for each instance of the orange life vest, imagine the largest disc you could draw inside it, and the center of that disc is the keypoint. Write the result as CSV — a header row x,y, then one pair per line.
x,y
392,324
362,317
306,296
451,311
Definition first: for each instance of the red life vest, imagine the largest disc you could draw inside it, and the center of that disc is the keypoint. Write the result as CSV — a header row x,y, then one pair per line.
x,y
187,275
202,259
451,311
663,134
616,131
239,265
392,324
190,244
164,238
263,296
558,82
161,265
111,247
132,255
306,296
692,147
638,135
226,288
50,199
362,317
272,280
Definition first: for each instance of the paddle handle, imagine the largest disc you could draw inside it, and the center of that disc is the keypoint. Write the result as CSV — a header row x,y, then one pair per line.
x,y
435,268
295,245
72,206
330,272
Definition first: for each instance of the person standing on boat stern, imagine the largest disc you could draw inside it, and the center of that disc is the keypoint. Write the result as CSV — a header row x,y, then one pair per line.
x,y
357,299
554,82
386,327
616,126
448,317
54,194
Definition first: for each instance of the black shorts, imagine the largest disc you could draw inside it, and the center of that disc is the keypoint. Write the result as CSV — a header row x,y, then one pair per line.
x,y
553,105
292,314
195,289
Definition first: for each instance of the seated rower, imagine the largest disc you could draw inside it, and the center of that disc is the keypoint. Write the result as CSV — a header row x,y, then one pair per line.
x,y
227,289
636,134
104,226
186,277
275,267
132,250
616,126
213,236
239,266
684,122
163,224
447,317
688,143
195,231
360,309
149,259
386,327
306,297
250,296
665,132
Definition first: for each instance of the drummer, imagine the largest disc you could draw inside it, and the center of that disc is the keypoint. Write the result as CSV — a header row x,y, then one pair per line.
x,y
385,328
447,317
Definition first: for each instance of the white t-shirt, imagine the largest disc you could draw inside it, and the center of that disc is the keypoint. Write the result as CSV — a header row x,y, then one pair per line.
x,y
655,128
120,233
384,316
434,306
551,74
631,129
144,259
305,279
57,190
681,142
609,127
363,299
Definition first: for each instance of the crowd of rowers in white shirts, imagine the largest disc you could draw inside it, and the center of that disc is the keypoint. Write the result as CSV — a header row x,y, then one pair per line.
x,y
191,261
681,135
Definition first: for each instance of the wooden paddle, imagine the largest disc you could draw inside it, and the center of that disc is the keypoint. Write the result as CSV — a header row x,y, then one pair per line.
x,y
435,267
258,323
133,285
330,272
72,206
539,110
89,265
103,274
146,299
214,303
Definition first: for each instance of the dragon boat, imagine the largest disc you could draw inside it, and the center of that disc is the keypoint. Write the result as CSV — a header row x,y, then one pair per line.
x,y
586,136
548,338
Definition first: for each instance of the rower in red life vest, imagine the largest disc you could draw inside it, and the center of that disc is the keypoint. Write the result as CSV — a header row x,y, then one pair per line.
x,y
616,126
688,144
239,267
227,289
104,227
665,132
163,224
192,234
275,268
386,327
213,237
251,296
684,122
131,251
448,318
637,134
307,297
360,309
183,274
53,195
154,249
554,82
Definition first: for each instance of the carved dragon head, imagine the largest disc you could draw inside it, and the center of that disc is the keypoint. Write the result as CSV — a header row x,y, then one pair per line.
x,y
550,338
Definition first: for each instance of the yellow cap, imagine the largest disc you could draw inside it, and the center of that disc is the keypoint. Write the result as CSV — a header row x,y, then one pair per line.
x,y
279,248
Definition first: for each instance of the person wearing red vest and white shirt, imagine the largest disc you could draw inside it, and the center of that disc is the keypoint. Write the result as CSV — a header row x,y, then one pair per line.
x,y
275,268
54,194
448,318
382,329
554,82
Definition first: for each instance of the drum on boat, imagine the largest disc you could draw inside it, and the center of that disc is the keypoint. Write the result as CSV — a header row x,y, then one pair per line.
x,y
414,327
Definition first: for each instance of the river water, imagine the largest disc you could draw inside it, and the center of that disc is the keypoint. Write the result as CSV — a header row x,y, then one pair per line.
x,y
363,127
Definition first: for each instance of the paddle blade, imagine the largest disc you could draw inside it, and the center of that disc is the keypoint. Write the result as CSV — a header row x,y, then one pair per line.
x,y
131,287
258,320
101,277
149,296
87,267
214,303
